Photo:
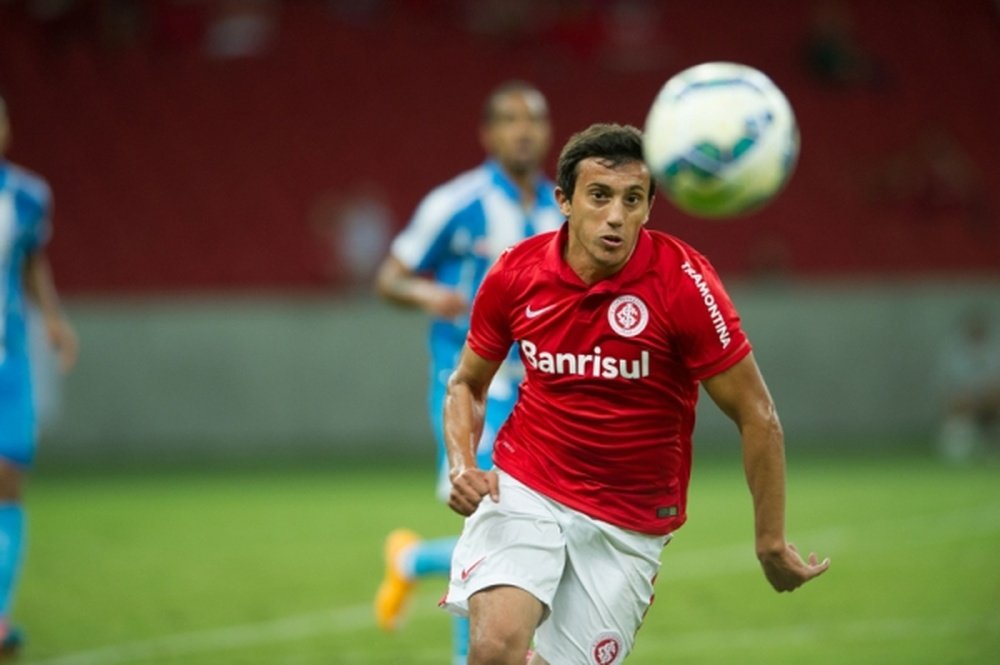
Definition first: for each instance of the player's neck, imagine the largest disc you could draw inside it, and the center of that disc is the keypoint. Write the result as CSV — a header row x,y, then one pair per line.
x,y
587,269
525,184
528,197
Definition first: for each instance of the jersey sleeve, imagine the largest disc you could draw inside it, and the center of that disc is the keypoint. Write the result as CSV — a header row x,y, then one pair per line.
x,y
706,321
422,243
490,333
36,202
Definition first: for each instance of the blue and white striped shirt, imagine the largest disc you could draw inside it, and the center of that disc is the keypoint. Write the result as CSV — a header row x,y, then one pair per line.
x,y
459,230
25,200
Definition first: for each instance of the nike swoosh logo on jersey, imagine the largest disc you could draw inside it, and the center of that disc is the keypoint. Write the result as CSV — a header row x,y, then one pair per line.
x,y
532,313
468,571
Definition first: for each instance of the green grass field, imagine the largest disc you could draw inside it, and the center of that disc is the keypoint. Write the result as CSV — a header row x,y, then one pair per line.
x,y
236,566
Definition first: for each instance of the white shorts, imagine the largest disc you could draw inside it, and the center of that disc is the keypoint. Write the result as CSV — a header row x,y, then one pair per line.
x,y
594,579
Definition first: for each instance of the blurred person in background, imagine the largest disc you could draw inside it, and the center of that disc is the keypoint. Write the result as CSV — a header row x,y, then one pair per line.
x,y
353,227
970,372
436,264
25,208
242,28
833,53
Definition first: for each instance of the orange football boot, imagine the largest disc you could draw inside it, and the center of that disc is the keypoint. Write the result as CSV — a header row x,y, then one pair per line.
x,y
396,588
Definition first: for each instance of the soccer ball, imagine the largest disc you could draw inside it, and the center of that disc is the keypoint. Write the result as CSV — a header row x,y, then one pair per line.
x,y
721,140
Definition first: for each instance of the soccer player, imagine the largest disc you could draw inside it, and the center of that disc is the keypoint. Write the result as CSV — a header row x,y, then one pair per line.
x,y
25,205
436,264
617,327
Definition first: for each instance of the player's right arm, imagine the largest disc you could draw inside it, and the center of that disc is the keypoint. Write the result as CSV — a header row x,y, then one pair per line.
x,y
401,286
40,287
464,414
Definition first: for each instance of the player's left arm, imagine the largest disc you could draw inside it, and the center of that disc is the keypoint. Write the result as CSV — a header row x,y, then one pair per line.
x,y
742,395
464,415
40,287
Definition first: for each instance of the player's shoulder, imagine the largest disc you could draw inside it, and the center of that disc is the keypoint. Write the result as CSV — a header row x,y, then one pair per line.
x,y
30,190
24,181
675,256
459,193
528,252
518,266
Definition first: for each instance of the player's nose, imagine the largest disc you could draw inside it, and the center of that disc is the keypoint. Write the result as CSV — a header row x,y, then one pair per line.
x,y
616,213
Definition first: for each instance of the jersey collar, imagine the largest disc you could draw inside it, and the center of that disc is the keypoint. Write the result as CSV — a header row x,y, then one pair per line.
x,y
638,264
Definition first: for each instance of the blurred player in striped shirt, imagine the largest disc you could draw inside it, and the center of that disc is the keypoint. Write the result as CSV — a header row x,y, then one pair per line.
x,y
436,264
25,209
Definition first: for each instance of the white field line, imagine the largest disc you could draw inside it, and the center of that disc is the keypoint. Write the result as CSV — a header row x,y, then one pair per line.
x,y
341,620
890,629
681,565
676,643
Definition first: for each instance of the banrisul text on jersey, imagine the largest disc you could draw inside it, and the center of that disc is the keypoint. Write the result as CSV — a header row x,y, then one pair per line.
x,y
594,364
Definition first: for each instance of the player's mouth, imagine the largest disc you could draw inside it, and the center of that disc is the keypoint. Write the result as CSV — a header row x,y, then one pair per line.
x,y
611,241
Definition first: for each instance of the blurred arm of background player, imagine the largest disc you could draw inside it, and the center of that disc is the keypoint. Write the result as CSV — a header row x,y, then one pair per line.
x,y
742,395
398,284
40,286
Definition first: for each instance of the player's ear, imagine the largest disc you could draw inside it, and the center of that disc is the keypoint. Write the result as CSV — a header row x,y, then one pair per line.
x,y
650,199
565,207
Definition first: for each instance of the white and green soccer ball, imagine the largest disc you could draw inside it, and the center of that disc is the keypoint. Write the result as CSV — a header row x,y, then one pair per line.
x,y
721,140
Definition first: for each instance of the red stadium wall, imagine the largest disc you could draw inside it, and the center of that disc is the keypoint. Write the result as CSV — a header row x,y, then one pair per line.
x,y
177,171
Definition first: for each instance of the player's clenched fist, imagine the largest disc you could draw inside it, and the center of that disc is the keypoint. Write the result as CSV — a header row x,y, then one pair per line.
x,y
468,488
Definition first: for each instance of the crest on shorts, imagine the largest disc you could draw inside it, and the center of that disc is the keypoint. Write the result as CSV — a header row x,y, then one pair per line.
x,y
628,316
606,649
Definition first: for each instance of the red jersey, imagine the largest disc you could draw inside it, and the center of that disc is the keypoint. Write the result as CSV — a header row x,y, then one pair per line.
x,y
604,418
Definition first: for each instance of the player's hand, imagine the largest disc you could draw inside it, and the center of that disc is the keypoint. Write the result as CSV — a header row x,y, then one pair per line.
x,y
64,341
468,488
786,570
445,303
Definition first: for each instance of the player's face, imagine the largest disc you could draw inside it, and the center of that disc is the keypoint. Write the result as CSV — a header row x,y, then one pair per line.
x,y
608,209
518,133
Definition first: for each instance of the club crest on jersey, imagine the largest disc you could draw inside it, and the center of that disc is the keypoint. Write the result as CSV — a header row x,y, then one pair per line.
x,y
628,316
606,649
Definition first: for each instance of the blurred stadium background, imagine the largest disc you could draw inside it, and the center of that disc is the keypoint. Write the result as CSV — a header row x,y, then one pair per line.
x,y
226,173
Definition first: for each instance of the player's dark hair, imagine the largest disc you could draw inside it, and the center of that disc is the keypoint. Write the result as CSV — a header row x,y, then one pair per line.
x,y
501,91
611,143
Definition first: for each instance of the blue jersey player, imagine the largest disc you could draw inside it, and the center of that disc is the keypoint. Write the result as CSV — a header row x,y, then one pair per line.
x,y
25,204
436,264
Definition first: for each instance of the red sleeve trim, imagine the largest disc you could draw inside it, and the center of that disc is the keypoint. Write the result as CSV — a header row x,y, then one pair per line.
x,y
488,354
722,364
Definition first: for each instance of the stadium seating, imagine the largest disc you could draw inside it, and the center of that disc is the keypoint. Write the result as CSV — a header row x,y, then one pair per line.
x,y
174,171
